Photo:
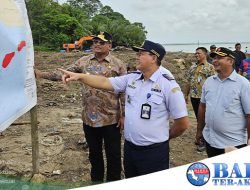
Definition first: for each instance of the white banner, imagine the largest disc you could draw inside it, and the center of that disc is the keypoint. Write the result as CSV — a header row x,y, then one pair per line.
x,y
17,81
229,171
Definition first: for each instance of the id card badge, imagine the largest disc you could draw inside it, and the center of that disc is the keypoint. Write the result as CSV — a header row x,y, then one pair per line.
x,y
145,111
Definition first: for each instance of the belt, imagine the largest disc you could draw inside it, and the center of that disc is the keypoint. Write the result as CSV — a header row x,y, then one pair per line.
x,y
241,146
137,147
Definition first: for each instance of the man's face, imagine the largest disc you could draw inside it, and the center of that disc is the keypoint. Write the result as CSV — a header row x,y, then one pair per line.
x,y
100,46
144,60
238,47
212,49
222,64
200,55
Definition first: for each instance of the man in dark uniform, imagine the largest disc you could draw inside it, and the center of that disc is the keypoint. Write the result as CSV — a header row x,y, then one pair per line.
x,y
239,56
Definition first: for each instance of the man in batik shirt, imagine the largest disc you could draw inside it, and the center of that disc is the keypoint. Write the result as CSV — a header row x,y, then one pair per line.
x,y
102,113
196,77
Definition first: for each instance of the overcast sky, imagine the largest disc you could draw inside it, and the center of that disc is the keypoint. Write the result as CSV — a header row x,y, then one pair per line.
x,y
185,21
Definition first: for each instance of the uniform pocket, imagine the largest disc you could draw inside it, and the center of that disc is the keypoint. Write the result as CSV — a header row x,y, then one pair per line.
x,y
158,107
130,96
231,100
156,99
232,104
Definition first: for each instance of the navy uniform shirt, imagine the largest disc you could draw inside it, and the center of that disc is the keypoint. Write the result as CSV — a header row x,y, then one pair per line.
x,y
162,93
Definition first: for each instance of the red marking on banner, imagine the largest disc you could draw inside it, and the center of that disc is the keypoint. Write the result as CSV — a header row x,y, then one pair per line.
x,y
21,45
201,171
7,59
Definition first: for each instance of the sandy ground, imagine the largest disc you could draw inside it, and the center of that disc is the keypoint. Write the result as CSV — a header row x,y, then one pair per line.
x,y
62,159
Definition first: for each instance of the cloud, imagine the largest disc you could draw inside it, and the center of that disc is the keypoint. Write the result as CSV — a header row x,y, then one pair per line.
x,y
194,19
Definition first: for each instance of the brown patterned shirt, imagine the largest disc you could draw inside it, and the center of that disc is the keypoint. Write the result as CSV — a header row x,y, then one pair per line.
x,y
100,108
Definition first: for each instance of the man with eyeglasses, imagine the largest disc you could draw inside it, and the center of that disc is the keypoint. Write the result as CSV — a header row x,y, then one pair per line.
x,y
102,110
152,97
224,110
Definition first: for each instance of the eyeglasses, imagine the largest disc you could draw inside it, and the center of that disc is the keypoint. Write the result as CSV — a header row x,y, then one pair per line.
x,y
99,42
143,53
217,57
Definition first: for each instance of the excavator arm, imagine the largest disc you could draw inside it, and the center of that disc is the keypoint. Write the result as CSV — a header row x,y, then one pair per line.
x,y
83,39
77,44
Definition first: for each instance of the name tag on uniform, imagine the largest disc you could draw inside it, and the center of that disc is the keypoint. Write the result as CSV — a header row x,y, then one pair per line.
x,y
145,111
155,90
132,85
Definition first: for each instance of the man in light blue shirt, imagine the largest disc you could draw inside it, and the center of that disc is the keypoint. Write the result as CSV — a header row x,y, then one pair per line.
x,y
163,95
152,97
224,112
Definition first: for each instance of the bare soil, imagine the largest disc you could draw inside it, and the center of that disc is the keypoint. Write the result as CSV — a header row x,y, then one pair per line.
x,y
62,158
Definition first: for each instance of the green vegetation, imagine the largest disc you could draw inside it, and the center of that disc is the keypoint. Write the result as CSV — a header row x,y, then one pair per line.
x,y
53,24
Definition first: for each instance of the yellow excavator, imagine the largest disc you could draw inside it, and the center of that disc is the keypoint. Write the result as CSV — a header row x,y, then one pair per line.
x,y
78,44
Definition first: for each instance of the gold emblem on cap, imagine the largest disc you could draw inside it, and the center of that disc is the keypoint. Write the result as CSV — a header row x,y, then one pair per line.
x,y
101,36
154,52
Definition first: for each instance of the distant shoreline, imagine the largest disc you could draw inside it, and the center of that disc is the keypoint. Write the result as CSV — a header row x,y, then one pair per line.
x,y
190,47
208,43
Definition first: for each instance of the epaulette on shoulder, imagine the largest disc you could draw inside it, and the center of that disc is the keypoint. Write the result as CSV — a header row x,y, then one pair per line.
x,y
135,72
167,77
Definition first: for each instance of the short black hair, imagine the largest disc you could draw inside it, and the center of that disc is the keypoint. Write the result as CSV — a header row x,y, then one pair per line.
x,y
237,44
202,49
213,47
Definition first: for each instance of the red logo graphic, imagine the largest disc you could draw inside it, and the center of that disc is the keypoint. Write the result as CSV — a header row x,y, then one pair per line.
x,y
201,171
9,56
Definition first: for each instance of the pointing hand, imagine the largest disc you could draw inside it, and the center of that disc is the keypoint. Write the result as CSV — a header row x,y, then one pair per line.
x,y
69,76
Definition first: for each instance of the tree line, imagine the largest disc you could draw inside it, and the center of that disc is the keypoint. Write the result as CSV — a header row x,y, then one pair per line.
x,y
53,24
